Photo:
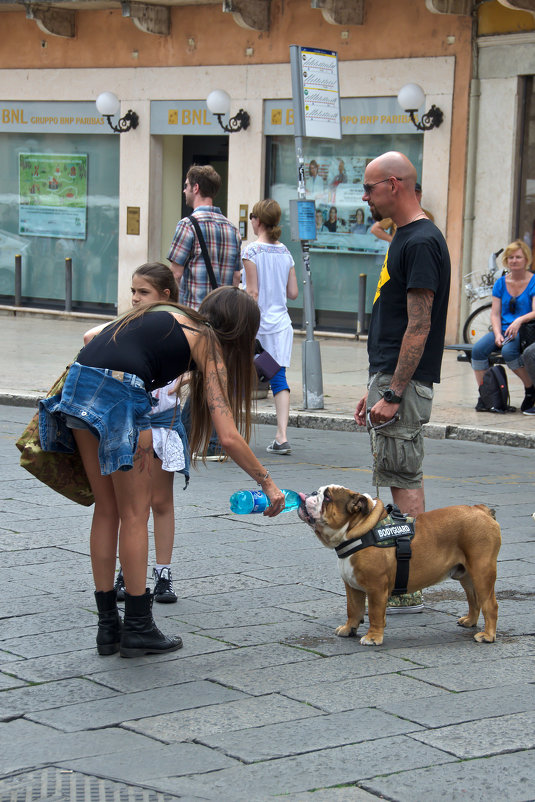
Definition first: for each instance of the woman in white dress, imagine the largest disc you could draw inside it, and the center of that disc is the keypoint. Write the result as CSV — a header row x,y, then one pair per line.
x,y
270,279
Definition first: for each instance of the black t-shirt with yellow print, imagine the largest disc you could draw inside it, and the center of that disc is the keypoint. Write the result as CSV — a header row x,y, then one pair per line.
x,y
417,258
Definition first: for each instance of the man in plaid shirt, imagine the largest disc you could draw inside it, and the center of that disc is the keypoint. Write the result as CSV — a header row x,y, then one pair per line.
x,y
222,240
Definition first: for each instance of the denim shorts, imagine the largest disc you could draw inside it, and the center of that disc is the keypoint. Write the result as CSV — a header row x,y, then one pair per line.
x,y
278,381
113,405
399,448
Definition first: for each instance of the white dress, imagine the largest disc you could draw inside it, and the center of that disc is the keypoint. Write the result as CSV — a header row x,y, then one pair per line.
x,y
273,264
166,442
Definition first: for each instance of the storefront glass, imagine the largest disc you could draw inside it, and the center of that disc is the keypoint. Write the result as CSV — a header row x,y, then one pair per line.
x,y
59,198
344,248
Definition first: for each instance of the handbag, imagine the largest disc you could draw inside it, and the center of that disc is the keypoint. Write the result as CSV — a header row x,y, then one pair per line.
x,y
64,473
526,334
266,366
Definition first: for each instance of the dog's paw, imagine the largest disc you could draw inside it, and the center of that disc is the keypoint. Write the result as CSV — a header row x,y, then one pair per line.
x,y
345,631
371,640
484,637
466,621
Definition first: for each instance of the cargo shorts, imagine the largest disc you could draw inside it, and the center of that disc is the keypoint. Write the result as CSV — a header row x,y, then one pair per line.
x,y
398,448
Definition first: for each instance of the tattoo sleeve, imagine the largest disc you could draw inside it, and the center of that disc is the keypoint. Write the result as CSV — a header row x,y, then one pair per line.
x,y
419,304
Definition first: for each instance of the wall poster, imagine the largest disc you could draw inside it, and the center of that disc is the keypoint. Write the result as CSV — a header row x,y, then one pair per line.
x,y
53,195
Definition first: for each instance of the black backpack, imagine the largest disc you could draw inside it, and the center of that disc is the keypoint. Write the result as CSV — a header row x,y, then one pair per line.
x,y
494,392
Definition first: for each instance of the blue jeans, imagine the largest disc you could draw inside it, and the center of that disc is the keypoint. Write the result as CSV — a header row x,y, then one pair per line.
x,y
115,407
487,344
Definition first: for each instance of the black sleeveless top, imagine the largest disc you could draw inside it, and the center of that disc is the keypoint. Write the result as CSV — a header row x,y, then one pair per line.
x,y
152,346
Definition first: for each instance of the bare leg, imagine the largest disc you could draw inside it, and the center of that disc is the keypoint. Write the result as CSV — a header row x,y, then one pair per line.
x,y
411,501
479,377
105,523
163,512
132,492
524,377
282,410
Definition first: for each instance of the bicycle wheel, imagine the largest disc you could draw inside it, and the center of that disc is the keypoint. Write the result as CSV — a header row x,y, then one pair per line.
x,y
477,324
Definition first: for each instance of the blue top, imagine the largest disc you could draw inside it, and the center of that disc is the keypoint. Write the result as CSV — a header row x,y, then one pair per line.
x,y
524,301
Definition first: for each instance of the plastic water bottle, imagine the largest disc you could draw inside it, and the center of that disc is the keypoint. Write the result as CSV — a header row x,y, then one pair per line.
x,y
247,501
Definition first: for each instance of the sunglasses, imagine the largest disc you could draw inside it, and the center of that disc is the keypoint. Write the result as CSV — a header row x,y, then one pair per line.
x,y
512,305
369,187
253,216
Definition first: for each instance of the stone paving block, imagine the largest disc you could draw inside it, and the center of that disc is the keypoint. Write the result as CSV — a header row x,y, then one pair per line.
x,y
270,741
207,586
22,557
493,736
152,761
259,597
56,620
201,724
487,674
237,618
328,670
123,707
7,682
337,695
466,706
193,666
321,769
346,794
48,746
50,695
52,642
295,632
502,777
456,652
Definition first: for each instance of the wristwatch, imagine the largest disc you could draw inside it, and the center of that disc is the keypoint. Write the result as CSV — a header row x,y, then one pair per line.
x,y
390,396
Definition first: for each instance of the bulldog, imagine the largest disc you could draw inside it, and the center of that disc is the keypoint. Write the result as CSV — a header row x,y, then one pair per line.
x,y
454,542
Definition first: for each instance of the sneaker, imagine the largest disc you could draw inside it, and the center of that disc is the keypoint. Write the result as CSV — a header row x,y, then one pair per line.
x,y
119,585
406,603
163,586
279,448
529,399
529,411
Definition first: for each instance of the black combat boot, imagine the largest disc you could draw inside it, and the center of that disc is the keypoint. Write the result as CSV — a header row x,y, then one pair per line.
x,y
109,622
140,634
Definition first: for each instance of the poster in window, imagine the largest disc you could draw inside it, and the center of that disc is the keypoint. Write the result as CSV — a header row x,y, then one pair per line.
x,y
53,195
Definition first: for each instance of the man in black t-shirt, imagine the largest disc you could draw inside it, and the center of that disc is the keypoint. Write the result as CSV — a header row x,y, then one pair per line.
x,y
406,334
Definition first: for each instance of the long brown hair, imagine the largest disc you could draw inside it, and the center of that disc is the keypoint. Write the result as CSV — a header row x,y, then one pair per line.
x,y
269,213
160,276
228,319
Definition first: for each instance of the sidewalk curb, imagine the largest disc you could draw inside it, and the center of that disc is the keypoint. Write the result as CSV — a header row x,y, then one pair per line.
x,y
343,423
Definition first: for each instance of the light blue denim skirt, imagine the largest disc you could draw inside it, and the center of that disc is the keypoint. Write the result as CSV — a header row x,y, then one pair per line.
x,y
113,405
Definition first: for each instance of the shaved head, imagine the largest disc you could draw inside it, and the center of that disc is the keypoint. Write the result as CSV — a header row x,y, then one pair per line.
x,y
389,182
395,164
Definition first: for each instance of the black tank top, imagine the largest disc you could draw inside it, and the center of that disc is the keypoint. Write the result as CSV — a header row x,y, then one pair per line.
x,y
153,346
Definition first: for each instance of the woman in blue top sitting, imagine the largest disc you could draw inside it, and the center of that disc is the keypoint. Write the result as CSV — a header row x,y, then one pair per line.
x,y
513,303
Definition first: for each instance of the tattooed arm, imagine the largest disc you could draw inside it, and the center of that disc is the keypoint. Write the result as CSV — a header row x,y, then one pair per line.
x,y
232,443
419,304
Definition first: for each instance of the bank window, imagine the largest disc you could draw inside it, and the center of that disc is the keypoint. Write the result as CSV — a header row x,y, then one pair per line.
x,y
344,248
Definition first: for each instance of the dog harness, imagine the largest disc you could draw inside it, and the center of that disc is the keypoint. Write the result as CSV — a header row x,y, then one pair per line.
x,y
394,530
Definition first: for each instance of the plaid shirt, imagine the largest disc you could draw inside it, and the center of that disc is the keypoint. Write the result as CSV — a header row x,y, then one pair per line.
x,y
223,243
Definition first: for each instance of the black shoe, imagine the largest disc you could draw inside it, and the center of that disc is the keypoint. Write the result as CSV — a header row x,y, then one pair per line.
x,y
109,622
119,585
163,586
140,634
529,399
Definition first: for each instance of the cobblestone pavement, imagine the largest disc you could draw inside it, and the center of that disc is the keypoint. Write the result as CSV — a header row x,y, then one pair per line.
x,y
264,700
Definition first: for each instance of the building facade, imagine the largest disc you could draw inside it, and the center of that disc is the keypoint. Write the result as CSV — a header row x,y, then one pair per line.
x,y
111,201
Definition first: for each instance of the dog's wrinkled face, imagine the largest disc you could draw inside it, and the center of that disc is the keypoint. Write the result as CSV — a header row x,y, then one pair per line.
x,y
333,510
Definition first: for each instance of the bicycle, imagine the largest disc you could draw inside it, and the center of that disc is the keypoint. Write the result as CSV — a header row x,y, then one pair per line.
x,y
478,286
